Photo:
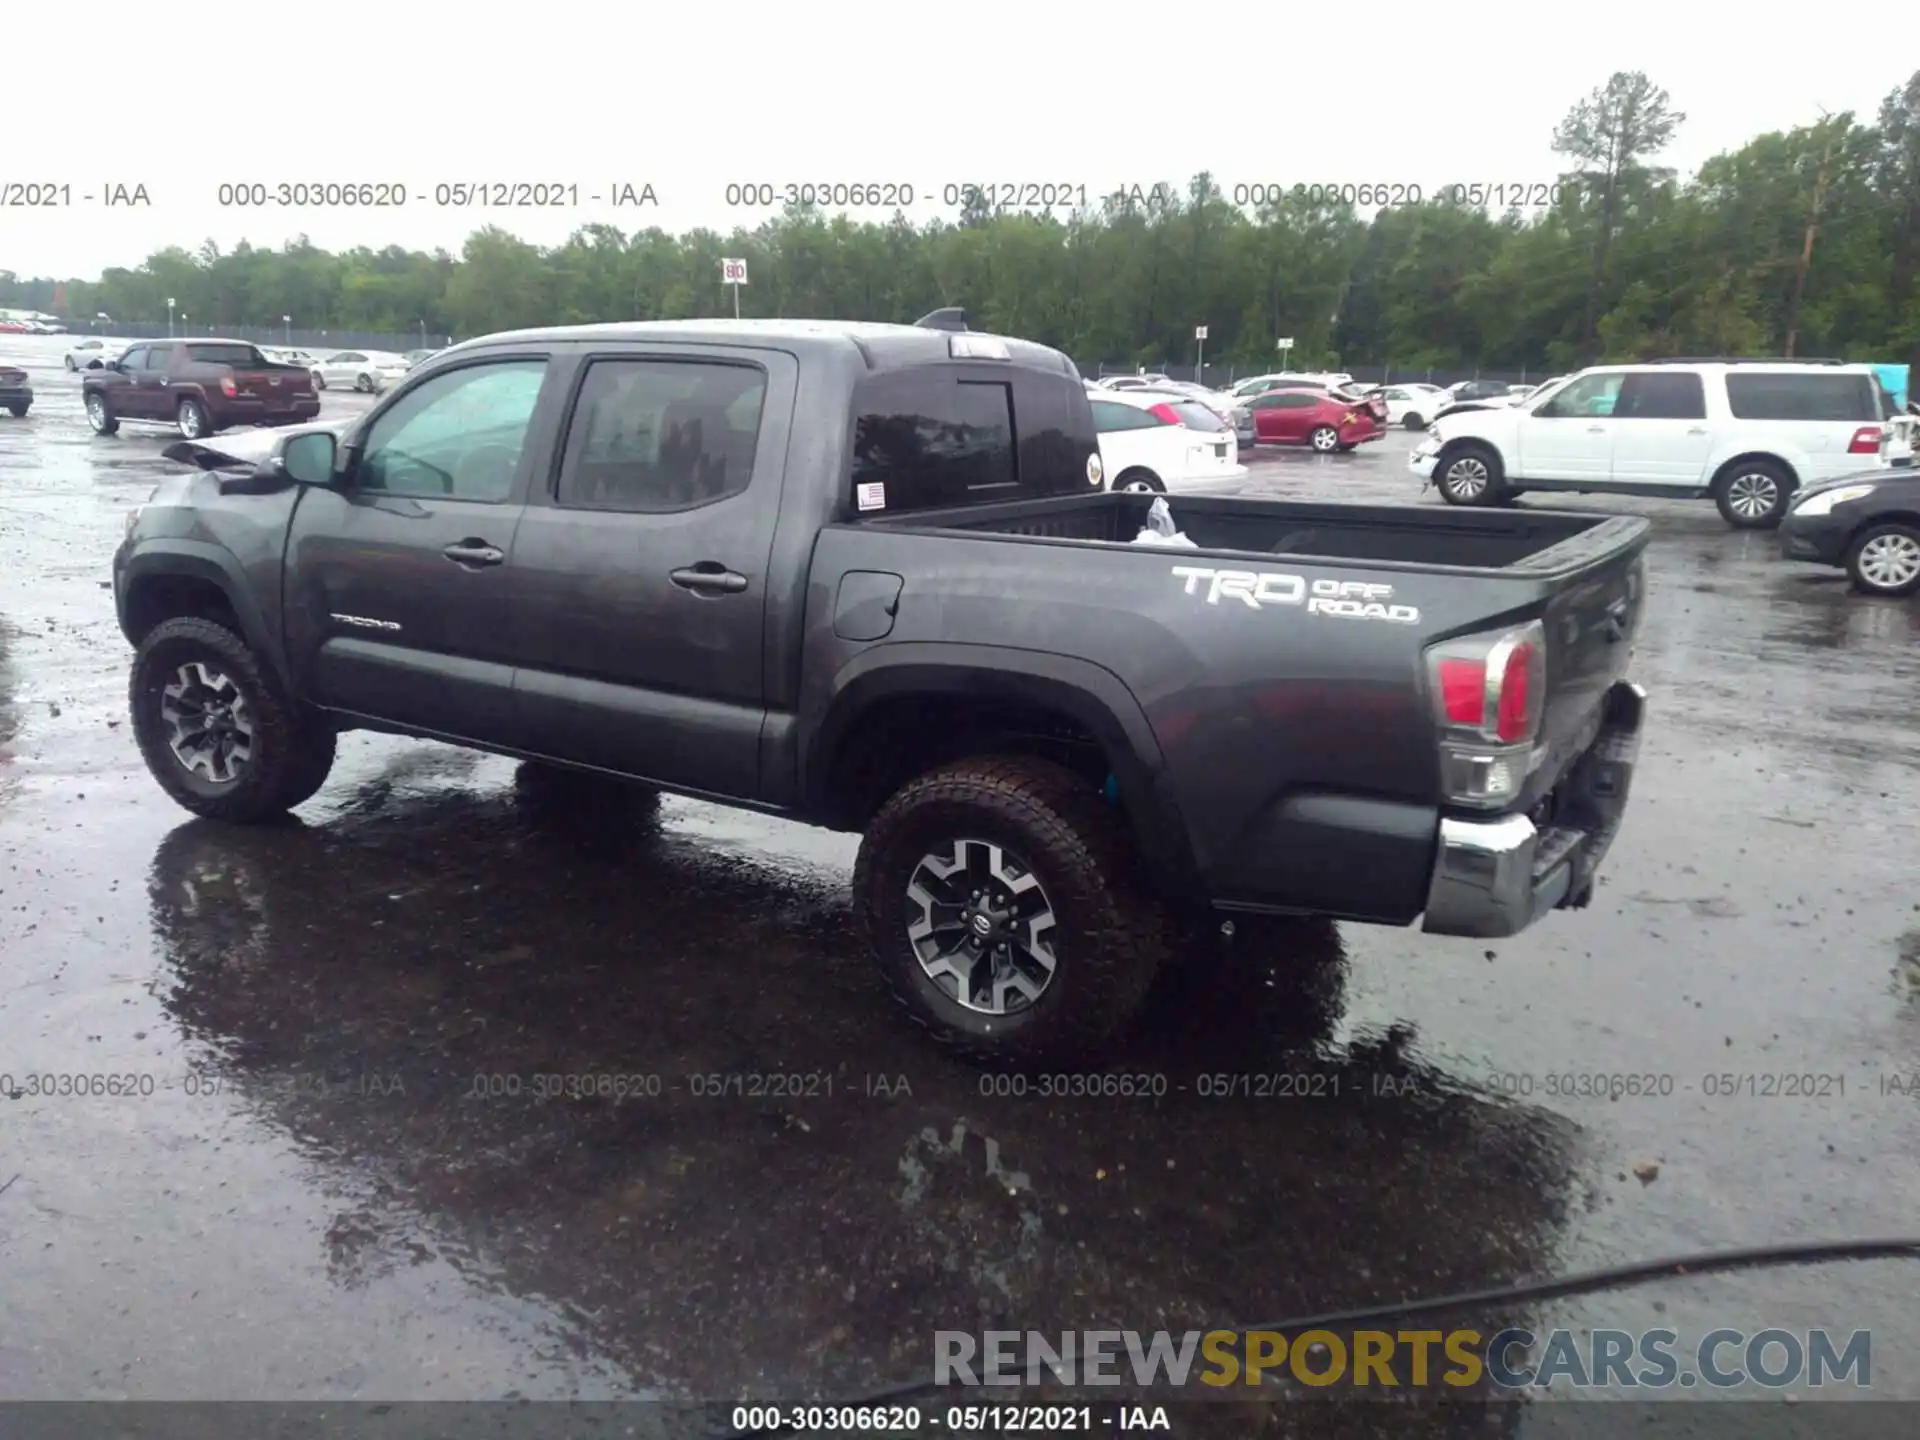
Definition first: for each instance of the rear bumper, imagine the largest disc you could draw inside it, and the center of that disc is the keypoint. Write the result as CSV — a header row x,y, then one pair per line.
x,y
1495,877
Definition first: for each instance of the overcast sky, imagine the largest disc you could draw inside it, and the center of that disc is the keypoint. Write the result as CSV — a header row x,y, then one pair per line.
x,y
419,93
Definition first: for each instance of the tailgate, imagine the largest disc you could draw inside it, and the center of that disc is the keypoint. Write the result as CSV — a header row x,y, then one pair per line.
x,y
1591,623
272,382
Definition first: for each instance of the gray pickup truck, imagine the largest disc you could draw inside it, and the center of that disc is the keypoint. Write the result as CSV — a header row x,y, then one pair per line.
x,y
870,577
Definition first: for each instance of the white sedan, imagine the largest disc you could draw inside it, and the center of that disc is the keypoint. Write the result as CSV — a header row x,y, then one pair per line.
x,y
369,371
92,353
1163,442
1413,406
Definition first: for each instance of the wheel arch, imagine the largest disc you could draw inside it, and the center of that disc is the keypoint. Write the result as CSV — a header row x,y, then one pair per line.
x,y
1724,471
186,578
898,710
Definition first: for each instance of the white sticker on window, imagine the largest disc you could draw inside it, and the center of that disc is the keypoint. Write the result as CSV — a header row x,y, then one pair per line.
x,y
872,495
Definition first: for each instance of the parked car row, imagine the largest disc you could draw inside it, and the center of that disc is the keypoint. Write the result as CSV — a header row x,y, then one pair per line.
x,y
368,371
1813,448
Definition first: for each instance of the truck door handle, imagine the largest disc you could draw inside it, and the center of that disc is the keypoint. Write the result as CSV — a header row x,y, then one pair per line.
x,y
1697,430
709,576
1596,429
473,553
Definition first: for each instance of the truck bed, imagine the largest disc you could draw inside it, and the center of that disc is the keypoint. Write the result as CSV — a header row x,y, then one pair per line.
x,y
1534,541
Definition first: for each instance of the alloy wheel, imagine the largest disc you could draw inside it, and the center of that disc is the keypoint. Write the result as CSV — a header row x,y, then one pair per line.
x,y
191,420
1326,441
209,727
96,411
1467,478
981,926
1753,495
1890,561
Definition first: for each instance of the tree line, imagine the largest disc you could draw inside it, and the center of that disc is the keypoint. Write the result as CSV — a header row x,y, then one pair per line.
x,y
1803,241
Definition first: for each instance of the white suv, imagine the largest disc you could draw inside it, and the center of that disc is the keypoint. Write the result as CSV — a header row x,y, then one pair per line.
x,y
1747,433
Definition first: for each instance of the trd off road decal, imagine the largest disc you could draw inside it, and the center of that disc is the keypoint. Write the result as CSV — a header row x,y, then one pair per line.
x,y
1262,589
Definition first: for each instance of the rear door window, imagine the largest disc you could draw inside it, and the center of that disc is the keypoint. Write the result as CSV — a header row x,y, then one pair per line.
x,y
240,357
1653,396
159,356
1811,396
653,436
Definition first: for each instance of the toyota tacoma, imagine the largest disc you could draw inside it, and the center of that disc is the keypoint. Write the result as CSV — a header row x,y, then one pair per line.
x,y
871,577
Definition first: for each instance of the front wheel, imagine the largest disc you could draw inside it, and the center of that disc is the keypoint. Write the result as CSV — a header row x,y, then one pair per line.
x,y
1414,422
1469,476
216,729
1001,899
1753,495
100,415
19,409
1324,439
364,384
1885,559
1140,482
319,381
70,364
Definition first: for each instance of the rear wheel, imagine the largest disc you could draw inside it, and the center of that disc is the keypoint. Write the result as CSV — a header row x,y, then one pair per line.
x,y
19,409
1753,494
1140,482
1885,559
191,417
70,364
1414,422
1325,439
364,384
1470,475
100,415
1001,899
319,381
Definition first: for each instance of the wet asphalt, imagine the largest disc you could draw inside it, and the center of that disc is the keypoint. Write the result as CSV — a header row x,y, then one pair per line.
x,y
334,1174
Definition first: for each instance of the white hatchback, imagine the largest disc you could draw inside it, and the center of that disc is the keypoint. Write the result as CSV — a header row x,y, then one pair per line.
x,y
368,371
1163,443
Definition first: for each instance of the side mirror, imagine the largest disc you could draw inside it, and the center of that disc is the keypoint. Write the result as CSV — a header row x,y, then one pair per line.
x,y
309,459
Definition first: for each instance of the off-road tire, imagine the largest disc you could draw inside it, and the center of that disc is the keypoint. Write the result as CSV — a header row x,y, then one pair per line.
x,y
292,752
1112,935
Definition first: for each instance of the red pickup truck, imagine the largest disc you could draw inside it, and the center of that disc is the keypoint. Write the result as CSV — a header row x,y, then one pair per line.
x,y
200,386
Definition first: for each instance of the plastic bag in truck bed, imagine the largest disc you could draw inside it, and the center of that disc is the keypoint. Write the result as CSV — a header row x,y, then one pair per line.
x,y
1159,529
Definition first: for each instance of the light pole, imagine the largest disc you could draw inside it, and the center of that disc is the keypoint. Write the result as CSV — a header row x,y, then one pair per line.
x,y
169,317
287,320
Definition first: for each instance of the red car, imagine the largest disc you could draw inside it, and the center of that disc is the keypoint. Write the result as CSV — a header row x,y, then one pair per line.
x,y
1319,418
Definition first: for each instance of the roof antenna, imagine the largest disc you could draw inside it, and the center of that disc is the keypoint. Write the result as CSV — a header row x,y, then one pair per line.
x,y
953,317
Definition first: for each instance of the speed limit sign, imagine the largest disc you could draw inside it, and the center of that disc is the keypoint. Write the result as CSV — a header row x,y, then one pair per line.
x,y
733,272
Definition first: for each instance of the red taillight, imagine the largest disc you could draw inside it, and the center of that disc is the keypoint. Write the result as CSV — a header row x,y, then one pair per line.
x,y
1514,718
1166,412
227,387
1866,440
1463,691
1491,684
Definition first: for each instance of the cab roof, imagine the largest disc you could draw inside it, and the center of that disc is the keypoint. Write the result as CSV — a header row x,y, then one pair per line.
x,y
879,346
